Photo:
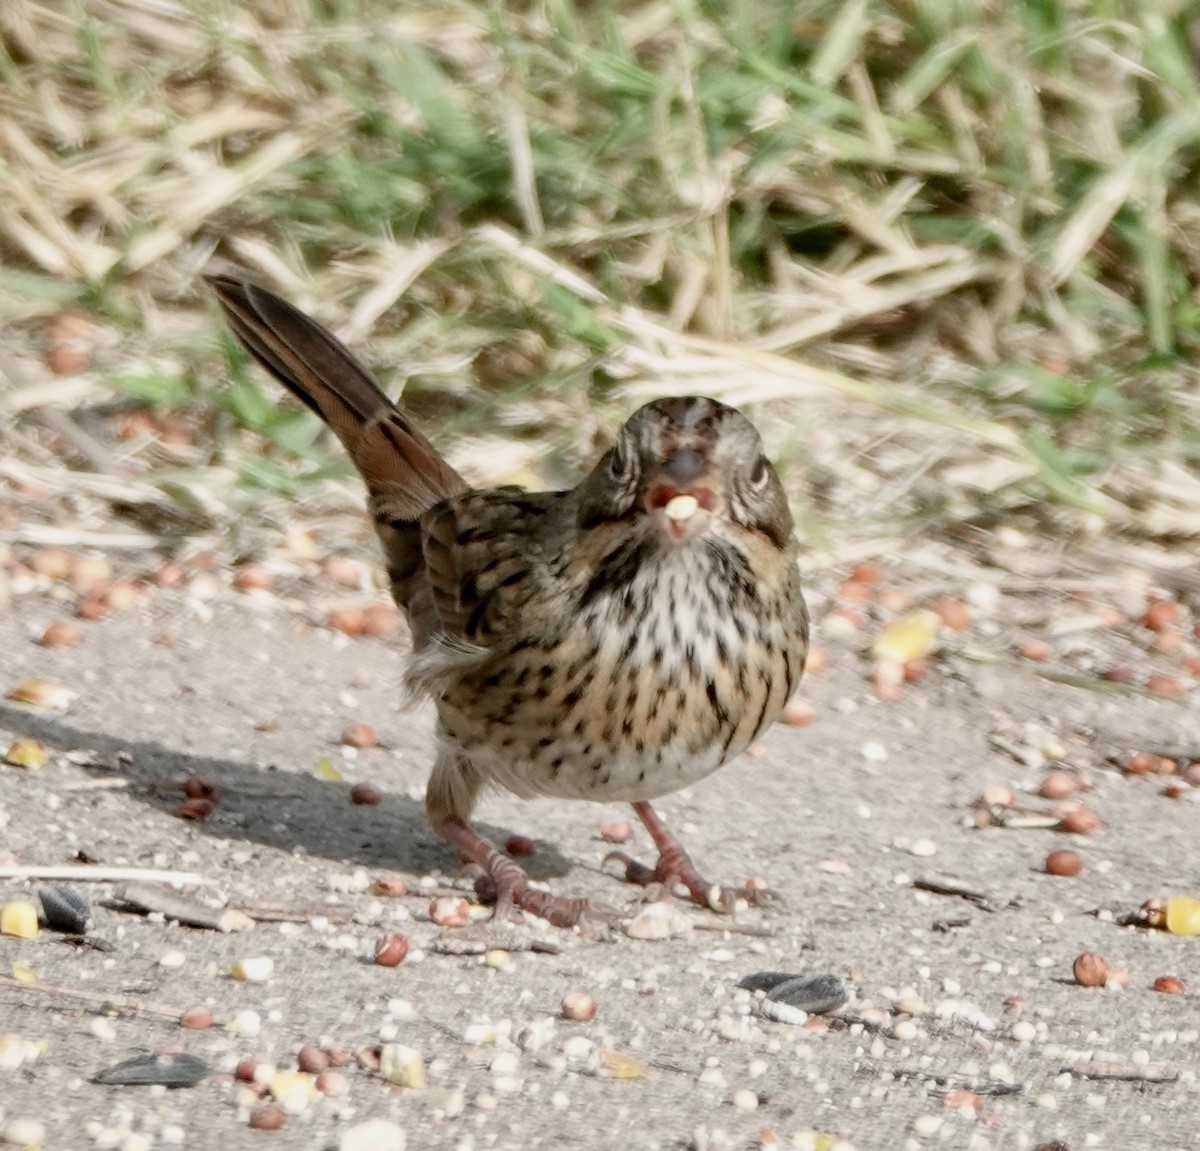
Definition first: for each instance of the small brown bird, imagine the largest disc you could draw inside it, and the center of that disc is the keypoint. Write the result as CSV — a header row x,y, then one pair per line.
x,y
617,641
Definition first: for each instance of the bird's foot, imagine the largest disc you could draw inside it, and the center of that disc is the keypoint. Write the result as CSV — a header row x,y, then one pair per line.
x,y
506,884
675,869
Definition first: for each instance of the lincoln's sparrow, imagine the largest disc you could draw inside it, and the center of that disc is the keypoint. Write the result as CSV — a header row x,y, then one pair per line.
x,y
617,641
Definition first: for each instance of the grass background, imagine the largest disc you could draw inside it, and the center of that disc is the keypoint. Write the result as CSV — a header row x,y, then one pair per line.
x,y
944,251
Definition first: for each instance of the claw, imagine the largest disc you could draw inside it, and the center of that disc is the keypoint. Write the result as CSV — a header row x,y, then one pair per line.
x,y
635,871
675,869
509,891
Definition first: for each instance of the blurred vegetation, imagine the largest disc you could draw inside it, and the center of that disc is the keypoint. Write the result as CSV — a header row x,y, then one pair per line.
x,y
946,251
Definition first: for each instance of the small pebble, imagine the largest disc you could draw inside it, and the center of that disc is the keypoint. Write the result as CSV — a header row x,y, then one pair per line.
x,y
1023,1031
922,848
745,1100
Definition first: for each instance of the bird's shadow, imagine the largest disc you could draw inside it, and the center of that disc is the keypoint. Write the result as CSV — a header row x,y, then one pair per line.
x,y
284,810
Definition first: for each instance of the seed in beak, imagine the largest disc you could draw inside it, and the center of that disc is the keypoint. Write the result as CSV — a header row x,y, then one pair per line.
x,y
681,507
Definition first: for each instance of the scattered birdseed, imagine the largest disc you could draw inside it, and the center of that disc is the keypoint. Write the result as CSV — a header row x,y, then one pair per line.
x,y
64,909
177,1070
402,1065
19,919
246,1023
102,1029
23,1132
792,998
16,1051
293,1090
926,1126
658,921
256,969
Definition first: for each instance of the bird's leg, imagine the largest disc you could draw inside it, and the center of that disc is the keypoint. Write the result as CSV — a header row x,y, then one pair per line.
x,y
453,788
675,868
506,881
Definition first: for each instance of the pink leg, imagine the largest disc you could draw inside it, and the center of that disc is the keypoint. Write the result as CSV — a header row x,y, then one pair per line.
x,y
507,881
675,867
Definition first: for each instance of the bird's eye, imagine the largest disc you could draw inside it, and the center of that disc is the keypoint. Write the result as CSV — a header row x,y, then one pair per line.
x,y
759,473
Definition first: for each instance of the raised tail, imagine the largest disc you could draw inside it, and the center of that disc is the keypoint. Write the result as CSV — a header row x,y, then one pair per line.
x,y
404,473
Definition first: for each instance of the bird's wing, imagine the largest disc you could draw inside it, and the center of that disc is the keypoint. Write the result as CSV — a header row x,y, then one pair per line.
x,y
487,554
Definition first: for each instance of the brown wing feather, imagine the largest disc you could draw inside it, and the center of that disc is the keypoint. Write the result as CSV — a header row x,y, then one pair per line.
x,y
404,474
486,554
